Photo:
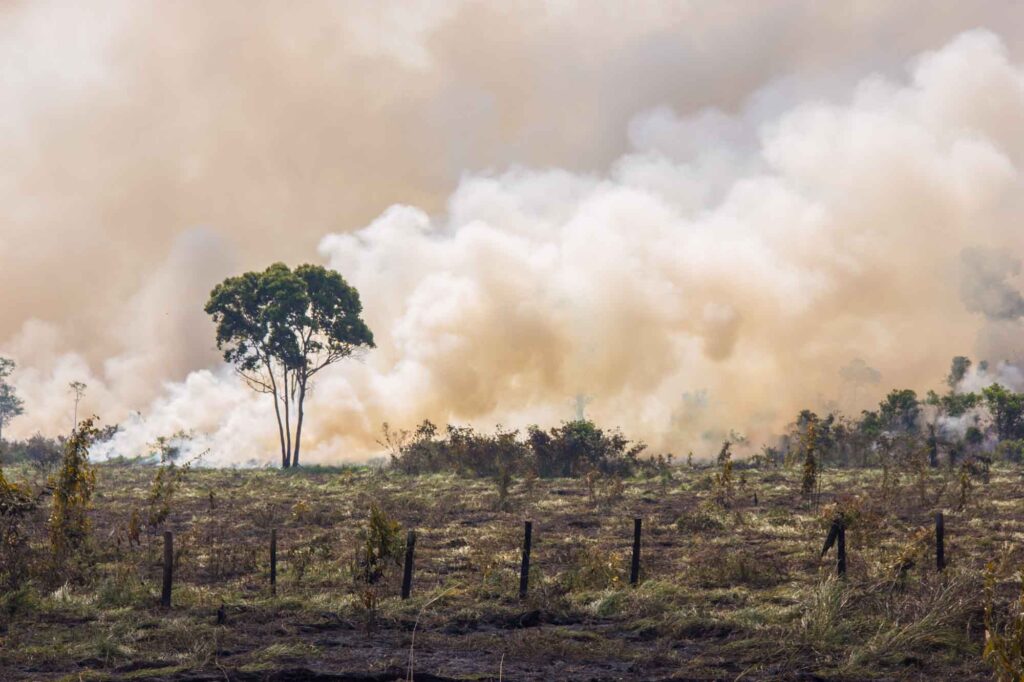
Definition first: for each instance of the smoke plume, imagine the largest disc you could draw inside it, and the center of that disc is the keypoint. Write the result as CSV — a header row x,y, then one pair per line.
x,y
986,286
702,220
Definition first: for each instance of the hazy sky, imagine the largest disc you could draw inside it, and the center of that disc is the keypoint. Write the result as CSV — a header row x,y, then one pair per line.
x,y
704,215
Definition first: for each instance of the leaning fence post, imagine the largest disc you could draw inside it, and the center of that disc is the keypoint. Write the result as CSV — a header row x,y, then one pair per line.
x,y
165,594
634,569
273,561
837,537
940,542
524,570
410,547
841,550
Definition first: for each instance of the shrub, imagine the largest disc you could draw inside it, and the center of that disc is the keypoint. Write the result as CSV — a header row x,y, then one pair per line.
x,y
380,545
724,490
304,557
578,447
17,602
167,479
573,449
809,479
38,451
594,568
72,492
417,453
379,549
702,519
15,504
477,454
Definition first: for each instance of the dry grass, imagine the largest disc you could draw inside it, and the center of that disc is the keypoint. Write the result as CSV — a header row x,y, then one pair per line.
x,y
726,593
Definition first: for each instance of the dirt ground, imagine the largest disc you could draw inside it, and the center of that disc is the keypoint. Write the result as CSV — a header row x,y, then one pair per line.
x,y
729,589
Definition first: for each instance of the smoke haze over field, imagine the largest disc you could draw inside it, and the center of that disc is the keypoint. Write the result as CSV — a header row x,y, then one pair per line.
x,y
702,216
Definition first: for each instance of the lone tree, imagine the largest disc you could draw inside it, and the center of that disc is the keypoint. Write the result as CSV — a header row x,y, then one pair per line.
x,y
77,389
10,404
279,328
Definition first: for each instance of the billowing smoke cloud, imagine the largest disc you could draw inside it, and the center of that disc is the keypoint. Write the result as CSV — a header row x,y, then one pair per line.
x,y
986,285
1006,374
990,285
762,227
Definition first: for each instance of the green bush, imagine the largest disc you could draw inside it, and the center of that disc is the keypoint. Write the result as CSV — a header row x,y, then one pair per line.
x,y
573,449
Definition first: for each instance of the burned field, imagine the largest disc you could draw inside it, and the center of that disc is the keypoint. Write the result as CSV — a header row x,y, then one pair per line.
x,y
728,588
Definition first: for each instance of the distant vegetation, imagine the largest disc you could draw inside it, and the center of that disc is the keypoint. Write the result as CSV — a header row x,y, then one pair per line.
x,y
954,428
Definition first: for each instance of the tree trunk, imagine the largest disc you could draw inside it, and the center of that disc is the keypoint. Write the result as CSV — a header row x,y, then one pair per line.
x,y
277,413
287,420
298,423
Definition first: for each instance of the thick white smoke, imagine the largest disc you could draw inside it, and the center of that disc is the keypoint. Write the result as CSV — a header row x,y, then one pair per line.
x,y
701,263
728,270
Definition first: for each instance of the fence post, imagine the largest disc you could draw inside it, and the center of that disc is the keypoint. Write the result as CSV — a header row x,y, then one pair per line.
x,y
410,547
940,542
165,594
634,569
841,550
524,570
273,561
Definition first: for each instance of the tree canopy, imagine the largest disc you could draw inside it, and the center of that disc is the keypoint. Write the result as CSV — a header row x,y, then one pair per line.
x,y
10,404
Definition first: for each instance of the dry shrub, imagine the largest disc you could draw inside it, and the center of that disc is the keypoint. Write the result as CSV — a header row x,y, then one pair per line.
x,y
724,488
912,552
304,556
15,504
865,522
301,511
593,568
73,485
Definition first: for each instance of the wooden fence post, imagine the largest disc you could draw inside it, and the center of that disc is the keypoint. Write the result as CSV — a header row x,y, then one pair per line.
x,y
940,542
165,594
273,561
410,547
634,569
524,570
